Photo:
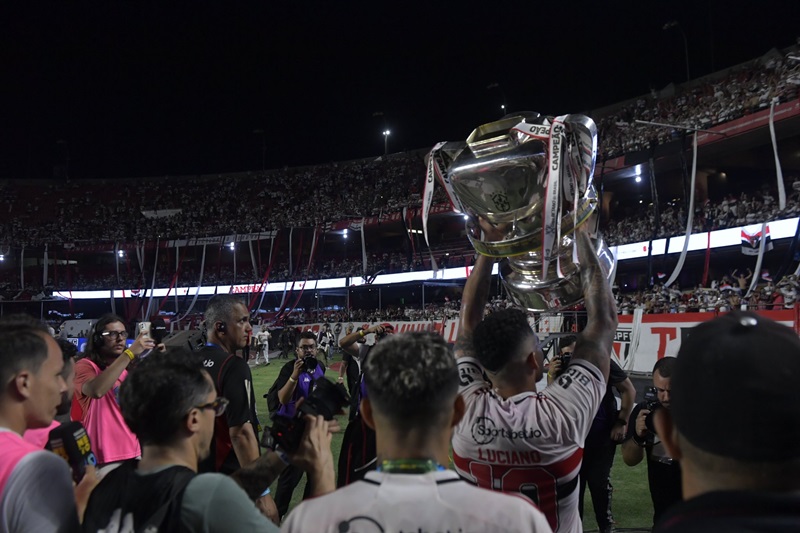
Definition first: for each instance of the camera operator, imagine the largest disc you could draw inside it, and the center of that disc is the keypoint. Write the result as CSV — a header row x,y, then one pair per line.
x,y
294,382
663,472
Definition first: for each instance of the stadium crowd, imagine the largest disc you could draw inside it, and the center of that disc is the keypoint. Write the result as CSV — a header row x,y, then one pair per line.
x,y
703,104
172,207
731,211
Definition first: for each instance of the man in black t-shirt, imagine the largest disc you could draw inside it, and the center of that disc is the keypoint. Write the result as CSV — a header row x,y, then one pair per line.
x,y
235,440
663,472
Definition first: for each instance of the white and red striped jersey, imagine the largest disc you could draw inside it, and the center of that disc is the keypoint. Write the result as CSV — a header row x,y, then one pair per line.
x,y
531,443
436,501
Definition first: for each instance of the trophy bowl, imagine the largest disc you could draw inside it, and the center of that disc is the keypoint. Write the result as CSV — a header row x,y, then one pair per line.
x,y
532,176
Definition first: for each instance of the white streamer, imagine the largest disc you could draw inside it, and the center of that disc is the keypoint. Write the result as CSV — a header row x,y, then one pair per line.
x,y
199,284
689,217
778,171
757,272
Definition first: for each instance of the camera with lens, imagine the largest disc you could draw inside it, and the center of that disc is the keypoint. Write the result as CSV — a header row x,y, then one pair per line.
x,y
326,399
565,358
310,364
651,404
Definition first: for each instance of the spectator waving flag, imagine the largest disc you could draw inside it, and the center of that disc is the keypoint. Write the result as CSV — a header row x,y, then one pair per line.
x,y
751,242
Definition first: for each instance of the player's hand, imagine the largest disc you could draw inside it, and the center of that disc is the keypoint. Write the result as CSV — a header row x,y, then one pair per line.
x,y
84,489
553,369
266,505
618,433
641,428
314,453
492,233
143,342
298,368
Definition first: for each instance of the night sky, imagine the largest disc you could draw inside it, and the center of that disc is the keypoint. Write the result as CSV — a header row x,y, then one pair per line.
x,y
148,89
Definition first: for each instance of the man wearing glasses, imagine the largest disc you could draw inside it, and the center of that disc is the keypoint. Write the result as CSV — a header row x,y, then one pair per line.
x,y
296,381
98,377
163,491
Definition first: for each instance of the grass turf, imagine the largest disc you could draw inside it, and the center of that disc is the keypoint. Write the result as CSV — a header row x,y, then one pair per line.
x,y
631,502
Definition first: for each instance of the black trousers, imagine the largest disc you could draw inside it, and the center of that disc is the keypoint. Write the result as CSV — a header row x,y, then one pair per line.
x,y
598,457
287,482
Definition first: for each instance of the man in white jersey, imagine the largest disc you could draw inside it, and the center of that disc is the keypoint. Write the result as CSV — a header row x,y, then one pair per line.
x,y
512,438
413,404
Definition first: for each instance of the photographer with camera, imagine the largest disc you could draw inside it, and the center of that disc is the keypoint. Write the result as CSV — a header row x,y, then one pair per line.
x,y
295,382
663,472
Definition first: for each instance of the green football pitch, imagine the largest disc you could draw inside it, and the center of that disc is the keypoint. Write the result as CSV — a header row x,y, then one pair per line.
x,y
631,503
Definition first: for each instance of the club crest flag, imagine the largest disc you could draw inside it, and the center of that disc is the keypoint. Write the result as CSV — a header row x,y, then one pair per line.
x,y
751,242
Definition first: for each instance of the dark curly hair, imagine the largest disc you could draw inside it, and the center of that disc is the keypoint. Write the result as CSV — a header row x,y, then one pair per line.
x,y
94,343
160,392
412,379
499,336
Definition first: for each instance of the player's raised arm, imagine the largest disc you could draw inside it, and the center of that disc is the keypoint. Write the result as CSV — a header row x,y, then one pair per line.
x,y
594,342
475,294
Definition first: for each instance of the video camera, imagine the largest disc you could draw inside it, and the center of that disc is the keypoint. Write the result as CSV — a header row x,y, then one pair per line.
x,y
651,404
326,399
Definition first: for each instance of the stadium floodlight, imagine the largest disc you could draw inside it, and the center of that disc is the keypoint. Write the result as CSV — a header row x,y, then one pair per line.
x,y
121,253
2,257
344,234
386,134
232,246
674,25
638,179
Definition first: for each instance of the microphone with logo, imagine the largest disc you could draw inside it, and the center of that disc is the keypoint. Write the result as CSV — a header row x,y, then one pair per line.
x,y
71,442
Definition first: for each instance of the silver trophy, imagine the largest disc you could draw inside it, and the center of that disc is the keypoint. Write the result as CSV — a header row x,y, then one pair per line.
x,y
532,175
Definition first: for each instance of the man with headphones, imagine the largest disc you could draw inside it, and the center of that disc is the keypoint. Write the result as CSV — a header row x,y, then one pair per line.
x,y
235,442
98,376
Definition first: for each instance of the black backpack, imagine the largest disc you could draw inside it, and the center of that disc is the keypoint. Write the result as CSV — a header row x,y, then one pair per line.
x,y
273,404
154,501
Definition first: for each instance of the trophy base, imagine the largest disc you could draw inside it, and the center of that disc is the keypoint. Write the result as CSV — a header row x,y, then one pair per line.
x,y
526,288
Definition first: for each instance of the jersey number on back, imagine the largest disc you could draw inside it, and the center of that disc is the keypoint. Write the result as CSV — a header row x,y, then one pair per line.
x,y
535,483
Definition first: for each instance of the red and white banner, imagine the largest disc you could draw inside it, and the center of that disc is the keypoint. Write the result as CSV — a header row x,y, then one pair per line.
x,y
637,344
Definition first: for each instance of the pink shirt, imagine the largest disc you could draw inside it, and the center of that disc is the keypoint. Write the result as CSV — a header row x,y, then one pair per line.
x,y
111,438
14,449
38,437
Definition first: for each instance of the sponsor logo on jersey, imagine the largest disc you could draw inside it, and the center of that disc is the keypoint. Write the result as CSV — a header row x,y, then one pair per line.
x,y
505,457
208,363
484,431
